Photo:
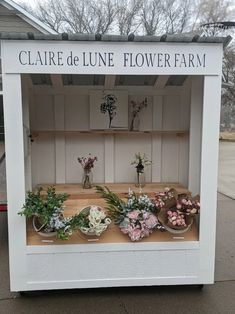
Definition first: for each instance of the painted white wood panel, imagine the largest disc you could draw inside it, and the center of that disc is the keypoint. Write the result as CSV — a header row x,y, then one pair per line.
x,y
111,268
125,149
77,112
43,159
109,158
59,139
195,134
170,158
80,146
157,112
183,159
209,171
15,172
43,113
71,113
171,113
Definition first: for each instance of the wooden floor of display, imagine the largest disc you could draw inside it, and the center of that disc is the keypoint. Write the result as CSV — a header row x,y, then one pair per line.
x,y
80,198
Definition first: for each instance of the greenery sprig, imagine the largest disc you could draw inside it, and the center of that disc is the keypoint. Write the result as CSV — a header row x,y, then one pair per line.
x,y
116,206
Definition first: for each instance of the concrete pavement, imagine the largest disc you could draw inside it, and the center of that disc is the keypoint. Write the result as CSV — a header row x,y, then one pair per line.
x,y
226,175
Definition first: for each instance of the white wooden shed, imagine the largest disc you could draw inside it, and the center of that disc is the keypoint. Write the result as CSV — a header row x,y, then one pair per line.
x,y
49,84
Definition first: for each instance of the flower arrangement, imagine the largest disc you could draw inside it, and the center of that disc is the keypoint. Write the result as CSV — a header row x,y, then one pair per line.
x,y
179,212
47,213
141,161
93,220
87,164
166,199
109,105
135,217
136,107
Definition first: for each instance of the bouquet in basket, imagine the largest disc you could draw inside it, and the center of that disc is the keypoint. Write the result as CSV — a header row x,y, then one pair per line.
x,y
135,217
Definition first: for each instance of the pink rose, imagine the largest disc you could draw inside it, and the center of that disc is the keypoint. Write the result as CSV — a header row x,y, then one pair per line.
x,y
135,235
133,214
151,221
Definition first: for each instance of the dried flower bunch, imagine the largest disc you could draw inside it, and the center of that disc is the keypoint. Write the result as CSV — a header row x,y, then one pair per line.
x,y
136,107
93,220
135,217
109,105
87,163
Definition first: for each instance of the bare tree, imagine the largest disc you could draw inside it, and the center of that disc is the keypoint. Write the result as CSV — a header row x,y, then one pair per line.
x,y
151,16
51,13
89,16
212,11
128,19
228,92
176,15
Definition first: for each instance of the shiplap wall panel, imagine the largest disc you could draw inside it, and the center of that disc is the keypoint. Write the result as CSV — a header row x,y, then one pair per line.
x,y
43,113
43,159
77,112
80,145
71,112
183,159
171,112
170,158
125,149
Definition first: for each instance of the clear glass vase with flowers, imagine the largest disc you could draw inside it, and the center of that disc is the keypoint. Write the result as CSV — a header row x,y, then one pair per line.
x,y
87,164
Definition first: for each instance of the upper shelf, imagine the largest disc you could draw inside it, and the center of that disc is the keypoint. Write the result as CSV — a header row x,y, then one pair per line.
x,y
35,133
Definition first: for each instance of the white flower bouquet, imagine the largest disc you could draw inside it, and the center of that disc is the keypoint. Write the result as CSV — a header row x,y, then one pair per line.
x,y
93,220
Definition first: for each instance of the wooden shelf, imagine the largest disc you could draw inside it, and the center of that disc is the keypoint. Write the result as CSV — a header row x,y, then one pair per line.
x,y
80,198
36,133
121,189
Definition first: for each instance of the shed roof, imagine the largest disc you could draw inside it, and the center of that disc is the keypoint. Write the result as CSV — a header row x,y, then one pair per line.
x,y
29,18
177,38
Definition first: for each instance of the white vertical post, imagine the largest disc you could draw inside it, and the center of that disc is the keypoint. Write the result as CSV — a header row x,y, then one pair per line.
x,y
195,134
14,145
209,170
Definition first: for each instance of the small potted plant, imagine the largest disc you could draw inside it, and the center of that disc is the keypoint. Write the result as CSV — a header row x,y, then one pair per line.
x,y
47,213
93,220
141,161
87,164
135,217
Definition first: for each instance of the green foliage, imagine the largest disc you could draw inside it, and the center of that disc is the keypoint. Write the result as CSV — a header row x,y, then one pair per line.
x,y
116,206
44,207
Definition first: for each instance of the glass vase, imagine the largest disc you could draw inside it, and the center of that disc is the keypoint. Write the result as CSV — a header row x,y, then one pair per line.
x,y
140,179
87,179
135,122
